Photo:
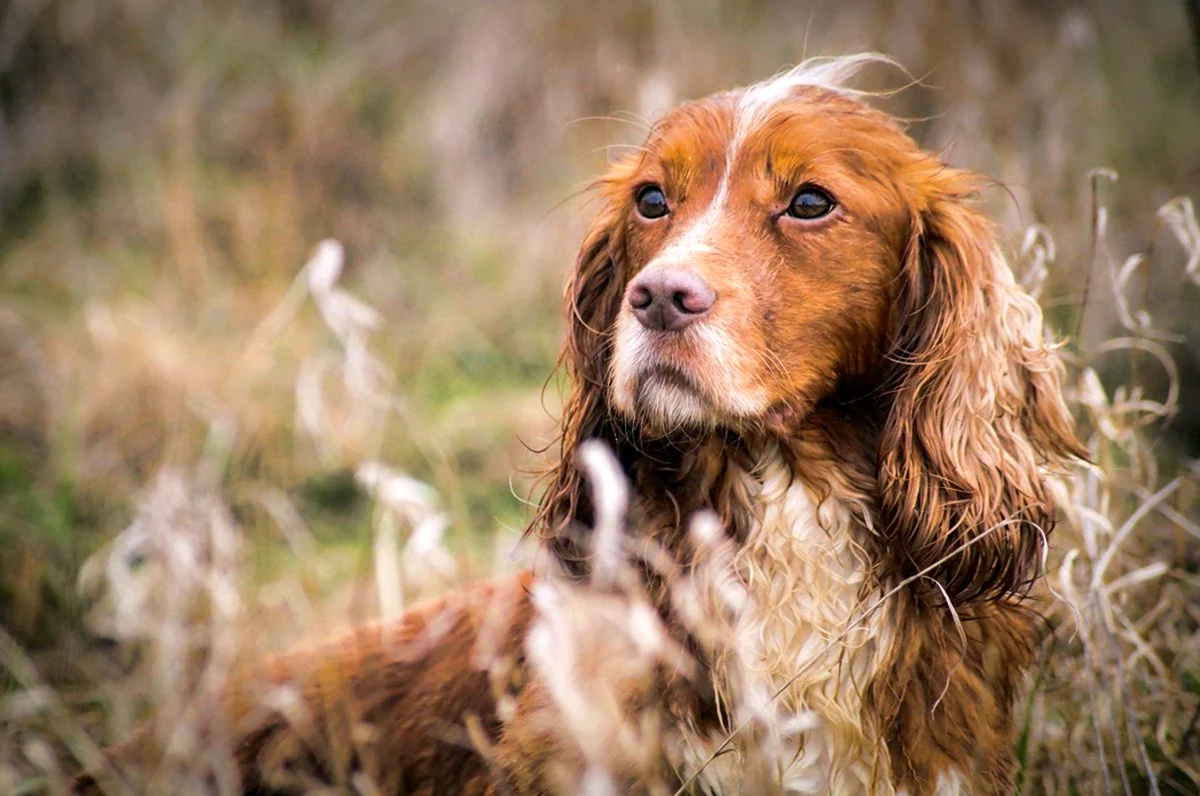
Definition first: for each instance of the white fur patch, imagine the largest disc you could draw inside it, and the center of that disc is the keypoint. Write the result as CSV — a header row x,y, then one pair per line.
x,y
712,364
798,637
950,783
830,74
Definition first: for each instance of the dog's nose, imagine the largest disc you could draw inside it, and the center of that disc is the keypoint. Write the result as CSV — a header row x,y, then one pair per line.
x,y
669,299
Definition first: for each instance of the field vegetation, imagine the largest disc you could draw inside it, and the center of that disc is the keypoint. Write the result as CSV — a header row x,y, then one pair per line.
x,y
219,433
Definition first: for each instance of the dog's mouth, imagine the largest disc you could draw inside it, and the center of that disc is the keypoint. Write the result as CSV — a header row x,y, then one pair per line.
x,y
661,376
667,397
694,380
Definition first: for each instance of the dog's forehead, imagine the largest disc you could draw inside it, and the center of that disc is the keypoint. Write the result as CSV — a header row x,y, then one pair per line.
x,y
724,123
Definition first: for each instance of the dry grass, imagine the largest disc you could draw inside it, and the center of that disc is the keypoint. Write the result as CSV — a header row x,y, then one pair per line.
x,y
1117,684
175,394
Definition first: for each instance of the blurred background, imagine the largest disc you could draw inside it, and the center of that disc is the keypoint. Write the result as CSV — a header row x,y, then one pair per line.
x,y
167,169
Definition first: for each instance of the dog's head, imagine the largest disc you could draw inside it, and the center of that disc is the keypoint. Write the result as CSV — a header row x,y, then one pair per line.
x,y
772,250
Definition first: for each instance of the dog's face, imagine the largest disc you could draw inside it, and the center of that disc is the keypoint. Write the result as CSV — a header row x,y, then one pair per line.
x,y
762,239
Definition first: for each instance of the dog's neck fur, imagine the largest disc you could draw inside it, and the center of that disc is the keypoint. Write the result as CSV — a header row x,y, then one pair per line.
x,y
673,478
870,693
806,644
809,638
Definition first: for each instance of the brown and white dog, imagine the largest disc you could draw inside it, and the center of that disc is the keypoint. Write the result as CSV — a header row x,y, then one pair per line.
x,y
789,317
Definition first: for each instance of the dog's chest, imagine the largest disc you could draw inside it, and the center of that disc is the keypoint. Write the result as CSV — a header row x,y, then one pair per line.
x,y
804,650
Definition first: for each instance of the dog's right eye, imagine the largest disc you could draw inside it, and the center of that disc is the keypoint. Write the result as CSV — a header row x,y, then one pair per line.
x,y
651,203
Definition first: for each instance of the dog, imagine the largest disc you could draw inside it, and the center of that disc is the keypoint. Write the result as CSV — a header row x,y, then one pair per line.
x,y
790,324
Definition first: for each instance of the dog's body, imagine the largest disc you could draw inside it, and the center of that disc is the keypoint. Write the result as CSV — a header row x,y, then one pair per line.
x,y
786,317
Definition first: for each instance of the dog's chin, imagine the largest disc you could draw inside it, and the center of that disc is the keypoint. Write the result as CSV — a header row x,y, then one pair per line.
x,y
666,402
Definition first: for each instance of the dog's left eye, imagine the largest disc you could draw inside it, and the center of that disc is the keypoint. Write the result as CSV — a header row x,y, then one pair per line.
x,y
810,202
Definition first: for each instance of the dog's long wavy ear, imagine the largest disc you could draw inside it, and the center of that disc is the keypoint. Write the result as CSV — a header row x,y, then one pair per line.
x,y
592,299
977,413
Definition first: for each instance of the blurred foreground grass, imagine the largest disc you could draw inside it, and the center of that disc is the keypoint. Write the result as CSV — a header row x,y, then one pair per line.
x,y
166,170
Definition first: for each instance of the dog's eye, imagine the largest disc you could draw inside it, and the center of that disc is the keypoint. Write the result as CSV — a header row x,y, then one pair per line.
x,y
651,203
810,202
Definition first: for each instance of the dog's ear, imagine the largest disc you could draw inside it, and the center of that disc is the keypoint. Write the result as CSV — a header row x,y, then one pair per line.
x,y
592,299
977,413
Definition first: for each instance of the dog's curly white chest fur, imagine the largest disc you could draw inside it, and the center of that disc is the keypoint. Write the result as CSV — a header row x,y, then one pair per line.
x,y
808,640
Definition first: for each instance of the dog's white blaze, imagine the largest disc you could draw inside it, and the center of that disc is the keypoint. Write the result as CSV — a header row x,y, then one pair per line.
x,y
754,104
806,579
830,74
696,240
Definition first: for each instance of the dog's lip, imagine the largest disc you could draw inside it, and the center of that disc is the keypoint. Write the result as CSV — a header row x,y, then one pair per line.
x,y
670,374
654,376
780,417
